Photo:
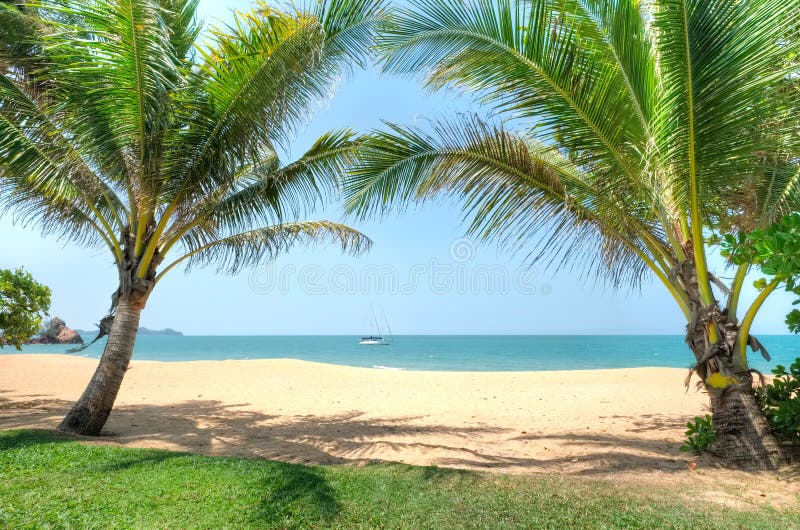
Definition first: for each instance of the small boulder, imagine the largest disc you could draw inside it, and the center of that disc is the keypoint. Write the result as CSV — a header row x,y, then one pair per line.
x,y
68,336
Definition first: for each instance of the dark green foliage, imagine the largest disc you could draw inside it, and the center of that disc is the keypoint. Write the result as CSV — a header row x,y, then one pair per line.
x,y
23,301
15,34
699,434
49,481
776,250
781,401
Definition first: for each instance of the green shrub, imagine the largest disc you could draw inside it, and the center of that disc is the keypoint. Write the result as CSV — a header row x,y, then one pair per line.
x,y
700,434
23,301
780,401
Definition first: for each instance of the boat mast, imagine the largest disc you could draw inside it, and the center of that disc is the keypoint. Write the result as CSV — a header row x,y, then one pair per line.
x,y
375,319
386,321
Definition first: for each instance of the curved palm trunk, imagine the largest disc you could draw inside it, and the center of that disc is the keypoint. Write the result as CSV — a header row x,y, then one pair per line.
x,y
744,438
91,411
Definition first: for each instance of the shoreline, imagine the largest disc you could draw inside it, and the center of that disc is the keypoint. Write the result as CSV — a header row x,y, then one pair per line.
x,y
320,363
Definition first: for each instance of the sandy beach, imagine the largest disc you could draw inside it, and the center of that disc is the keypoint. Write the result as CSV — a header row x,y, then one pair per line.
x,y
308,412
616,424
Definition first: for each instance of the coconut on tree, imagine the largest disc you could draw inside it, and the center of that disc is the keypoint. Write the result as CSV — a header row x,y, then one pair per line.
x,y
124,125
638,130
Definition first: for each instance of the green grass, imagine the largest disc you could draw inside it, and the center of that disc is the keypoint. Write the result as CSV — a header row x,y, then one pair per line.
x,y
51,481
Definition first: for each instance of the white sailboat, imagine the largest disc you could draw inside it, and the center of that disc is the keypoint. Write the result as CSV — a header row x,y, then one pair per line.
x,y
379,339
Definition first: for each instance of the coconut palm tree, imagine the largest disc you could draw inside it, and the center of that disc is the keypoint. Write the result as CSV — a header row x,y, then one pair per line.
x,y
123,125
634,132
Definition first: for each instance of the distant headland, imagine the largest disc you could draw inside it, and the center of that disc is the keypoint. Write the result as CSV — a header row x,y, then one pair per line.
x,y
142,331
165,331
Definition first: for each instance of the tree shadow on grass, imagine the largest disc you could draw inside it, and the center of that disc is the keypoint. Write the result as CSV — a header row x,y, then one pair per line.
x,y
28,438
296,492
122,462
439,474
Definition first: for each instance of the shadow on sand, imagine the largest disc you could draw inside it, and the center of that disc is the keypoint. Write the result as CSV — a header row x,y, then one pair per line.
x,y
215,428
212,427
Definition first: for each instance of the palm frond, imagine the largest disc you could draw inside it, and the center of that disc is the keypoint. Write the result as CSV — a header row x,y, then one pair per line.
x,y
18,38
259,80
528,61
39,165
768,195
512,190
28,63
722,67
58,216
118,62
275,194
180,16
267,193
235,252
351,28
622,26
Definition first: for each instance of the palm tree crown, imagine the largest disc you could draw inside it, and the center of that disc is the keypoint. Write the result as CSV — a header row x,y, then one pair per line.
x,y
638,126
121,126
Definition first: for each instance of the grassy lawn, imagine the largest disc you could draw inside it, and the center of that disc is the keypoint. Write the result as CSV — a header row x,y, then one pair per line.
x,y
51,481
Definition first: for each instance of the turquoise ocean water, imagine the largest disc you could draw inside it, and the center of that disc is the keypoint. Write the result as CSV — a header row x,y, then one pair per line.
x,y
442,352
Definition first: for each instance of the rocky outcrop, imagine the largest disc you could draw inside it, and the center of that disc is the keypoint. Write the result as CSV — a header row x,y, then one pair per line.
x,y
57,332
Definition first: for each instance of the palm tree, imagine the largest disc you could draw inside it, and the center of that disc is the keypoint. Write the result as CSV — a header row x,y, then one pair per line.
x,y
637,130
122,125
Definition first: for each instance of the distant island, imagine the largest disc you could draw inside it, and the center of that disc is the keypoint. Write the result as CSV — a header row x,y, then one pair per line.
x,y
142,331
165,331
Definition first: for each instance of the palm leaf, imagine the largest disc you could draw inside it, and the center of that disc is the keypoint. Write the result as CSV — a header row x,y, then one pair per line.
x,y
723,64
180,17
41,166
293,59
235,252
130,61
512,191
266,193
292,191
529,61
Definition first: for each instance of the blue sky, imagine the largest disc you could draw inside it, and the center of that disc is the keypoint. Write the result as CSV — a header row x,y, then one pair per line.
x,y
421,270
